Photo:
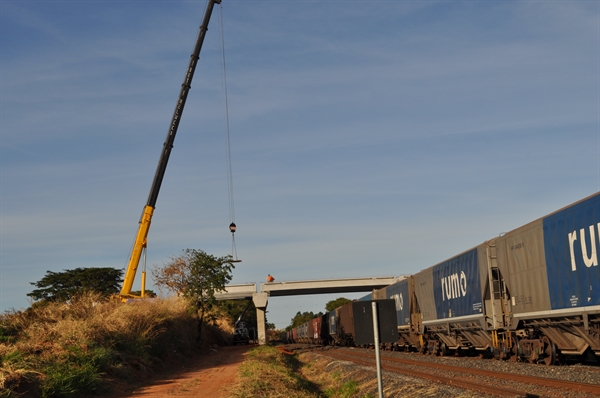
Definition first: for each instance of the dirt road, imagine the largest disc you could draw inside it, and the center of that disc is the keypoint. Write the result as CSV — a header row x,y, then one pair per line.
x,y
209,376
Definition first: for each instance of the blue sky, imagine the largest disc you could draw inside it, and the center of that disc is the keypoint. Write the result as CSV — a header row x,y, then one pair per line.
x,y
367,138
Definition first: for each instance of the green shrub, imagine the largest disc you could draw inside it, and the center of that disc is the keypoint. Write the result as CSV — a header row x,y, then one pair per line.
x,y
65,379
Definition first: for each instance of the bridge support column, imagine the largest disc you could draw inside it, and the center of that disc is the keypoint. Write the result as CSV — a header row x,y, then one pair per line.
x,y
260,302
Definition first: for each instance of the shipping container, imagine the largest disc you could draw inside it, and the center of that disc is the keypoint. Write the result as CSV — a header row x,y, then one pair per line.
x,y
400,294
332,322
325,339
456,286
571,246
310,331
345,324
316,328
449,296
424,294
303,333
522,264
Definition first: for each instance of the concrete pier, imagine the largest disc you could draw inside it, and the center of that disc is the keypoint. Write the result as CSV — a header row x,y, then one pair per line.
x,y
260,302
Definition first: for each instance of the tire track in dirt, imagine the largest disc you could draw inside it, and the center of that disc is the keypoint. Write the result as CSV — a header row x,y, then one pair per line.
x,y
210,376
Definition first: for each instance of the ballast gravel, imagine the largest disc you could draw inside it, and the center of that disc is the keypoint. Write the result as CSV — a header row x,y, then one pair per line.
x,y
398,385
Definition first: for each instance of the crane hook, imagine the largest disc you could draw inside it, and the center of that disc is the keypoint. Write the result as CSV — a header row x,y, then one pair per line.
x,y
232,228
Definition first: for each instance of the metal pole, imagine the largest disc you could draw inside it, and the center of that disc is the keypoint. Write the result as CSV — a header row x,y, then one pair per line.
x,y
377,356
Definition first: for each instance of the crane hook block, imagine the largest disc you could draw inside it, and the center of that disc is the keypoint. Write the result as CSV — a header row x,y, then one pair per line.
x,y
232,227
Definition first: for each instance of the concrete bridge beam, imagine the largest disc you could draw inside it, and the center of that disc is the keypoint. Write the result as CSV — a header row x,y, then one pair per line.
x,y
237,292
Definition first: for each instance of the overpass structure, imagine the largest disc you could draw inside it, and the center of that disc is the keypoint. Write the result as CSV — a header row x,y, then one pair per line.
x,y
296,288
350,285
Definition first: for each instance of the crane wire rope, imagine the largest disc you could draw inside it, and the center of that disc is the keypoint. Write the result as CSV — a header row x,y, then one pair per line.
x,y
232,226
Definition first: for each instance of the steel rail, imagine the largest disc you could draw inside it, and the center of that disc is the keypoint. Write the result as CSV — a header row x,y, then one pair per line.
x,y
454,382
541,381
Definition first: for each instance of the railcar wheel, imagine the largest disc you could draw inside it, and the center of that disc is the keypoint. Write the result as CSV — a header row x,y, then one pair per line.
x,y
423,347
433,348
549,351
501,354
515,351
444,351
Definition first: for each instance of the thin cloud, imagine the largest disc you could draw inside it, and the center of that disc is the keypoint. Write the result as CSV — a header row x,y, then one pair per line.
x,y
377,137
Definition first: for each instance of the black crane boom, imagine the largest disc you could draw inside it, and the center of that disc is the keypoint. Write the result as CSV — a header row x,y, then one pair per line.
x,y
146,218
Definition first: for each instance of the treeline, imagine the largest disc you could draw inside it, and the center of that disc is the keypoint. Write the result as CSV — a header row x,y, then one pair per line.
x,y
303,317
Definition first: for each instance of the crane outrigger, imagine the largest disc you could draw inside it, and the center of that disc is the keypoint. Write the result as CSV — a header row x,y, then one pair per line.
x,y
146,218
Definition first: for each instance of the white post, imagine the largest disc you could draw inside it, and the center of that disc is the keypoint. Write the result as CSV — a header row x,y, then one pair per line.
x,y
377,357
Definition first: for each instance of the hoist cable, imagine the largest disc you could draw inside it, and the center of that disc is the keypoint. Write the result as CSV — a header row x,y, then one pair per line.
x,y
226,106
232,226
233,248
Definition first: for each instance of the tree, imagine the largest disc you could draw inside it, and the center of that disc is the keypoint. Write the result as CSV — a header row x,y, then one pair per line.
x,y
300,318
337,303
235,308
196,276
61,286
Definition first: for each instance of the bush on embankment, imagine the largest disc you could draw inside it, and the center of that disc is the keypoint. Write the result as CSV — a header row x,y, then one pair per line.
x,y
269,372
75,349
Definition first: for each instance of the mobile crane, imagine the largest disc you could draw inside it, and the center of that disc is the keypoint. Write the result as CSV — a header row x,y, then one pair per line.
x,y
144,224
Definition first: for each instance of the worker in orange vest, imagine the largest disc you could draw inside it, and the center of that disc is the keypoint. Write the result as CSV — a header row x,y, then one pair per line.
x,y
270,278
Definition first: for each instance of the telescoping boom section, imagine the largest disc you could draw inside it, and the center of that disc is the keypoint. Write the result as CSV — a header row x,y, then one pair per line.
x,y
144,226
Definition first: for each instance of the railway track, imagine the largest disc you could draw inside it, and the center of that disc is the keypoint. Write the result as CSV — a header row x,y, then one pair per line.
x,y
484,381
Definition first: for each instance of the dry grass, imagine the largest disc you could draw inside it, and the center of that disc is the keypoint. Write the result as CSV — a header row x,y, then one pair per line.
x,y
267,372
73,349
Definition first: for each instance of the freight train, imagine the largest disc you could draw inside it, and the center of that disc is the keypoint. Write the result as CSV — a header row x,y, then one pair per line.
x,y
532,294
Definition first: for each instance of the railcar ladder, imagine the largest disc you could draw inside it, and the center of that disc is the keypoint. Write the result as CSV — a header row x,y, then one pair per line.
x,y
496,288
